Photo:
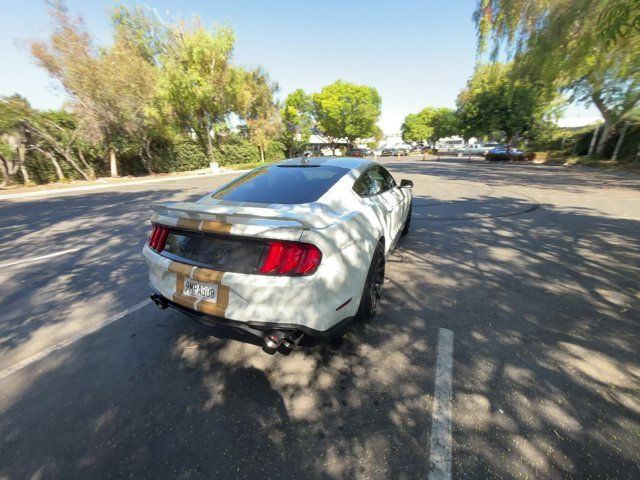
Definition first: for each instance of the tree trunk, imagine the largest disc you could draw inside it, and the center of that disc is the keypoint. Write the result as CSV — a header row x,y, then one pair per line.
x,y
56,166
261,154
69,158
89,168
209,143
5,173
25,175
606,133
593,140
54,161
23,170
147,154
113,163
620,141
609,123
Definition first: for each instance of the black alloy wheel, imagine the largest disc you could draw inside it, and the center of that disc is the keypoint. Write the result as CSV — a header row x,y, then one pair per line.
x,y
407,222
373,286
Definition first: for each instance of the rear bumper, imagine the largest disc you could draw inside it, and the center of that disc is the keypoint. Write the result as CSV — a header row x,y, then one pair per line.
x,y
255,327
308,304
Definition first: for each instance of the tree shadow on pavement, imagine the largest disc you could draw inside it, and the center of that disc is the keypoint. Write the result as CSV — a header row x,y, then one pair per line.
x,y
513,174
543,306
108,228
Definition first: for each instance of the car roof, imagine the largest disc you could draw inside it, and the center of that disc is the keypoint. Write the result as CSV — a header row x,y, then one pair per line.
x,y
352,163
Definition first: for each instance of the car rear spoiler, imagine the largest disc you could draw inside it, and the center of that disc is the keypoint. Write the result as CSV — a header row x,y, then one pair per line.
x,y
272,216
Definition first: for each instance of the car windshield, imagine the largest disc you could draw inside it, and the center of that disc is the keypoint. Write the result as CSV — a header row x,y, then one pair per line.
x,y
289,184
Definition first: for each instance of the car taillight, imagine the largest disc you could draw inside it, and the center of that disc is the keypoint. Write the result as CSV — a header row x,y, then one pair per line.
x,y
158,237
291,258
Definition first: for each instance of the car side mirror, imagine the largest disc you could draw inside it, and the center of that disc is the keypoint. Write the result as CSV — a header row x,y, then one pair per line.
x,y
404,183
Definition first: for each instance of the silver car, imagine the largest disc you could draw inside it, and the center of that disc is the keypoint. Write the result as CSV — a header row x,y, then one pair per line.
x,y
478,149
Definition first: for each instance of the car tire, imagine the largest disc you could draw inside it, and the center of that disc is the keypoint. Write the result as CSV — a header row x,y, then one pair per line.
x,y
372,290
407,222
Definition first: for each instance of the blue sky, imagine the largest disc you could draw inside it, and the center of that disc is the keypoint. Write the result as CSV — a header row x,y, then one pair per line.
x,y
417,53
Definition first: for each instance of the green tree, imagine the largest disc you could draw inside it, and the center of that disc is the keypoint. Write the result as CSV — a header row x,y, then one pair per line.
x,y
346,110
25,131
590,49
141,30
297,119
262,115
55,135
430,124
111,88
415,128
198,87
13,138
494,104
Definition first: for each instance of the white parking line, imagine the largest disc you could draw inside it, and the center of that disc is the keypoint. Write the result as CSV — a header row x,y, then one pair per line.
x,y
92,329
440,454
37,259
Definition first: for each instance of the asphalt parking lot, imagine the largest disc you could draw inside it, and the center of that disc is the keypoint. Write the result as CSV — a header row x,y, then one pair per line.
x,y
531,272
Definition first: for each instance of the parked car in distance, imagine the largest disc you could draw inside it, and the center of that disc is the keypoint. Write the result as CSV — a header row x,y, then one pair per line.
x,y
490,146
388,151
358,152
401,151
289,249
459,151
505,153
477,149
448,148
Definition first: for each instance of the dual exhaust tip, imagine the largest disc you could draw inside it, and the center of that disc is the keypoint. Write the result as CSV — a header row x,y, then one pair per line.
x,y
160,301
284,342
274,340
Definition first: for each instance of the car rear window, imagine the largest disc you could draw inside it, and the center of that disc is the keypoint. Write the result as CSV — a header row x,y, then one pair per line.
x,y
288,184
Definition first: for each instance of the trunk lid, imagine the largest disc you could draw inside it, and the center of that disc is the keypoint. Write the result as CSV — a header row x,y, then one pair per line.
x,y
230,237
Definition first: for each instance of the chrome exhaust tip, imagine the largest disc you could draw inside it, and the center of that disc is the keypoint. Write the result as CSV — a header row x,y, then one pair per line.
x,y
272,341
285,342
160,301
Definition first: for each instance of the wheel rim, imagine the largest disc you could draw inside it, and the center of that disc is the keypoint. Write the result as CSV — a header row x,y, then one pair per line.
x,y
375,292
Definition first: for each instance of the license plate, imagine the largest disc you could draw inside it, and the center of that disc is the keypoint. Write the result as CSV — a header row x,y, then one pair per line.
x,y
207,291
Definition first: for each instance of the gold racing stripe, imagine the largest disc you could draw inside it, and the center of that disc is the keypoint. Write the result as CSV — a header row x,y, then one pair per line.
x,y
179,297
215,227
188,224
204,225
183,271
206,275
219,308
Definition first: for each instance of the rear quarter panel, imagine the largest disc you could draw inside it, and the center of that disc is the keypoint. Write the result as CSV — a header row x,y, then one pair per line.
x,y
347,249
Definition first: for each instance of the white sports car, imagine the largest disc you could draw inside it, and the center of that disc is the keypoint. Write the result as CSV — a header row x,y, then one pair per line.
x,y
289,249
